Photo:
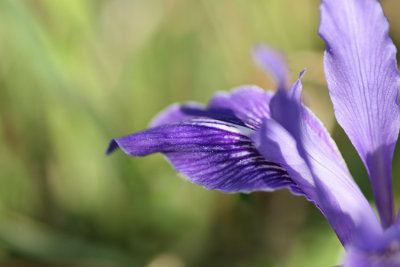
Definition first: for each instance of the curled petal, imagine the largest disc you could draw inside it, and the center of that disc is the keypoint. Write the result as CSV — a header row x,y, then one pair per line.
x,y
363,82
303,146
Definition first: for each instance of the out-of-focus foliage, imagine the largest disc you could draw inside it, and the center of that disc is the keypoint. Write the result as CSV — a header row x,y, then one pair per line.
x,y
75,73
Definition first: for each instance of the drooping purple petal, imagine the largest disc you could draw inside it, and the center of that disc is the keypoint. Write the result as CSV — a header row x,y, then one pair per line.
x,y
211,153
273,62
363,82
297,140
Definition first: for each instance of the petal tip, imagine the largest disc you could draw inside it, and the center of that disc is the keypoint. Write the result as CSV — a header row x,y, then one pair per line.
x,y
302,73
272,61
112,147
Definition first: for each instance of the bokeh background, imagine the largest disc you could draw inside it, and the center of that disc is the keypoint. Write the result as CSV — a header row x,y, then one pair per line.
x,y
76,73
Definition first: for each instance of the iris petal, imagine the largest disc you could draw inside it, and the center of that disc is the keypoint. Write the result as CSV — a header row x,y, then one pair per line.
x,y
363,82
248,103
214,154
301,144
376,250
273,62
356,258
246,106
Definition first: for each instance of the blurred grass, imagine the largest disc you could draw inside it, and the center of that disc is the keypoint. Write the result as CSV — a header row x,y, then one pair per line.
x,y
74,74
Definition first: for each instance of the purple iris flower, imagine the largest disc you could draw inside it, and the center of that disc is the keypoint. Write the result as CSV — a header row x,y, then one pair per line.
x,y
255,140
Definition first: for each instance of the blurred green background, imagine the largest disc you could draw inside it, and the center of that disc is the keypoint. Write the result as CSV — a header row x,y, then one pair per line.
x,y
76,73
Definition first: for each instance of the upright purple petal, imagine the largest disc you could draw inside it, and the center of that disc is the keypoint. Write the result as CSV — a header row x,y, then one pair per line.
x,y
297,140
214,154
273,62
363,82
